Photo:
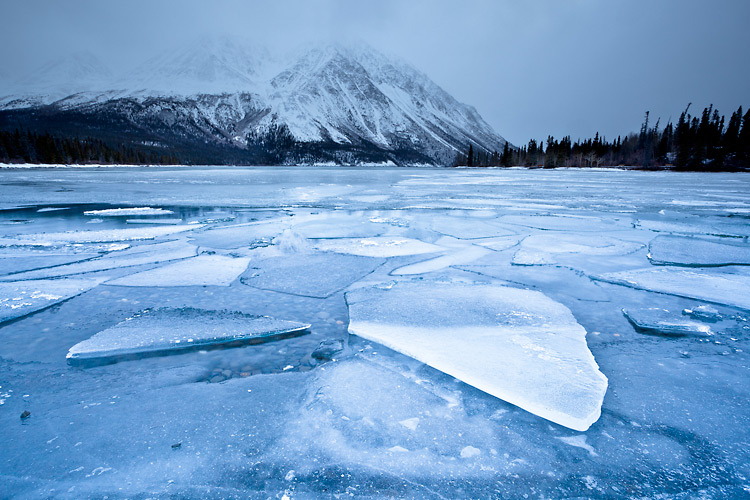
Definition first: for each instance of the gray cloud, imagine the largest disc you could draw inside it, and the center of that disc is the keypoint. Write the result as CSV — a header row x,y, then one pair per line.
x,y
531,68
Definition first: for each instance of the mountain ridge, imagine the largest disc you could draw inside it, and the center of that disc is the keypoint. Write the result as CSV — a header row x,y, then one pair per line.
x,y
331,102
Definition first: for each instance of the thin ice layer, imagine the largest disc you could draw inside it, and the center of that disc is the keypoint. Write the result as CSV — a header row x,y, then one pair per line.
x,y
162,331
696,252
517,345
316,275
103,236
137,256
657,321
721,288
383,246
19,298
216,270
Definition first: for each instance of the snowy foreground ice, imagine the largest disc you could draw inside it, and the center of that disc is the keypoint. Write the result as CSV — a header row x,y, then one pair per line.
x,y
472,333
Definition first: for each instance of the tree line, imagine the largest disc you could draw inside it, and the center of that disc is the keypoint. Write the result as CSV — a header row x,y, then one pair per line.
x,y
29,147
705,142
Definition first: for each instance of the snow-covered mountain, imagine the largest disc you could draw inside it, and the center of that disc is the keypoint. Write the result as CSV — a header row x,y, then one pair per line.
x,y
330,102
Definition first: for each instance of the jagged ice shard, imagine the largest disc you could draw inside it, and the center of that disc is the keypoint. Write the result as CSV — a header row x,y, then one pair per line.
x,y
517,345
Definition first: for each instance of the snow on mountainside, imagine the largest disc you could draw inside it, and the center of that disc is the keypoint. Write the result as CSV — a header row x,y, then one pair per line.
x,y
329,102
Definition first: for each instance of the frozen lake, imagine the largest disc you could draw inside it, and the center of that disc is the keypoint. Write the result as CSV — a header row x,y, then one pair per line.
x,y
478,298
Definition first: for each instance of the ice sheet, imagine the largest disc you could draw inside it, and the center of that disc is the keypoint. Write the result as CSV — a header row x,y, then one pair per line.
x,y
164,331
316,275
721,288
377,247
540,249
697,252
658,321
216,270
136,256
19,298
518,345
103,236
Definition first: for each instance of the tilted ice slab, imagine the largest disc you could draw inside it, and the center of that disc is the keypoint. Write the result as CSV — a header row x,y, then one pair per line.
x,y
517,345
311,275
120,212
721,288
136,256
204,270
540,249
19,298
657,321
697,252
377,247
157,332
103,236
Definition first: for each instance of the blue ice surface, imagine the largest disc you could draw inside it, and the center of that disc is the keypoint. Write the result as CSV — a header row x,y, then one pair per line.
x,y
271,420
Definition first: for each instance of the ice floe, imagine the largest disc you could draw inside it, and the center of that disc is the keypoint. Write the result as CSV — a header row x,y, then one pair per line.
x,y
722,288
383,246
540,249
658,321
136,256
156,332
216,270
21,261
316,275
463,255
241,235
153,221
517,345
103,236
703,313
697,252
120,212
19,298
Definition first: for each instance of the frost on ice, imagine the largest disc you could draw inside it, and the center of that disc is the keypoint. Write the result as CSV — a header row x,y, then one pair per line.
x,y
697,252
24,297
517,345
721,288
156,332
216,270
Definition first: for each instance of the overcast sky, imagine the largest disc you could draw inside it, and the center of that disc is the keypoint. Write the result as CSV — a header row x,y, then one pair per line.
x,y
531,67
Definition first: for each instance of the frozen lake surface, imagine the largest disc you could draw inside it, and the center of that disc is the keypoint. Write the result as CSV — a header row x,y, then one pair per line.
x,y
548,289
